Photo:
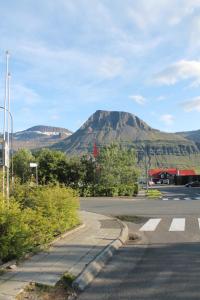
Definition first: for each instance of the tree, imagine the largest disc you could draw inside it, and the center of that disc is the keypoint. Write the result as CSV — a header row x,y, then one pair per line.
x,y
21,164
116,166
51,166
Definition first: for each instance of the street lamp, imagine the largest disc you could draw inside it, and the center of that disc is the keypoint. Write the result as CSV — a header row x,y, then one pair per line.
x,y
11,118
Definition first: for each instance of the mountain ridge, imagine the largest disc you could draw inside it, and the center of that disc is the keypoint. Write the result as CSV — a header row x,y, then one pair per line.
x,y
105,127
39,136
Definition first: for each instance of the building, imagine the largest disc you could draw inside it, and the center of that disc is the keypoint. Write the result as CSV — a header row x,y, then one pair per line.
x,y
172,176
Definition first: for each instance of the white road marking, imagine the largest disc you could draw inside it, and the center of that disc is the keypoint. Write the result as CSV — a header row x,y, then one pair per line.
x,y
187,198
197,198
150,225
165,199
178,224
176,199
199,222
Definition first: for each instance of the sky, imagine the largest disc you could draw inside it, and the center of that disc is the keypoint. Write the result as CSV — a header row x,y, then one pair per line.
x,y
69,58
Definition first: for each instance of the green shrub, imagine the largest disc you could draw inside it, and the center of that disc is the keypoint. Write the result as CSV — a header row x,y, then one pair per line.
x,y
34,217
100,190
86,191
13,231
128,189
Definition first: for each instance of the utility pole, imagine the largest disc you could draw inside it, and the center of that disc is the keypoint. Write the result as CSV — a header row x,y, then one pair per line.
x,y
8,141
4,126
146,168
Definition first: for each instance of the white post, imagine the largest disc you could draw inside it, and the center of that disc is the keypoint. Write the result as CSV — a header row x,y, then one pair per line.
x,y
8,140
5,114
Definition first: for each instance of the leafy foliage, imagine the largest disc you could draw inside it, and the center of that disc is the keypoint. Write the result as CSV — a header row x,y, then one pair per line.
x,y
34,217
21,163
113,172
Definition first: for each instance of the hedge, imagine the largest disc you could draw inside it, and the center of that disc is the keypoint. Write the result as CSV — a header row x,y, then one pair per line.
x,y
111,191
34,217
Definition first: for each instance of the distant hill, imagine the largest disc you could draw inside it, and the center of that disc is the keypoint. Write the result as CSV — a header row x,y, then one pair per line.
x,y
191,135
105,127
39,136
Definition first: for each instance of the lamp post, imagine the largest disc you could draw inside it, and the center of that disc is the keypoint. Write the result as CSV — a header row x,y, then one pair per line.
x,y
4,125
11,119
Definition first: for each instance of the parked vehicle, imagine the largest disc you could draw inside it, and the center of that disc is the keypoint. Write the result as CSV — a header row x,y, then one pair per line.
x,y
193,184
165,181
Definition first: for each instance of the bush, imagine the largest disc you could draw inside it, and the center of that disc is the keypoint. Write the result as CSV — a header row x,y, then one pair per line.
x,y
13,231
34,217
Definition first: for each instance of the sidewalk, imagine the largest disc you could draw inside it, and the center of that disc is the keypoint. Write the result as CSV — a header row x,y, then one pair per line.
x,y
70,254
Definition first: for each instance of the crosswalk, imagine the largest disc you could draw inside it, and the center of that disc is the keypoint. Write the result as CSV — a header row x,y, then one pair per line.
x,y
177,224
180,198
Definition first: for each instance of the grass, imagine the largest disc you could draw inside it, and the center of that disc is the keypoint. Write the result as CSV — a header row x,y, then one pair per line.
x,y
153,193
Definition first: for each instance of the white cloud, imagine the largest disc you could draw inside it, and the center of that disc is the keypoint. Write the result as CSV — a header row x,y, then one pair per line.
x,y
167,119
139,99
181,70
147,14
192,105
111,67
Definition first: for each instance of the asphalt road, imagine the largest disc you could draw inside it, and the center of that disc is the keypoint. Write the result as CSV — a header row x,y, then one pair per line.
x,y
165,262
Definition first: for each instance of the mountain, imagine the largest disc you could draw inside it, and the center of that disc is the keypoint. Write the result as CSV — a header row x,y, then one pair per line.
x,y
39,136
105,127
191,135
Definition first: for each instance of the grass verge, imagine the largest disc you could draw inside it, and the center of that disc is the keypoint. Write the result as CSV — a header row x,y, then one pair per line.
x,y
153,194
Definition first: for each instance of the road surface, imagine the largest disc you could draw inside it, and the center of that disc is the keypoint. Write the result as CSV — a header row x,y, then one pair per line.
x,y
165,263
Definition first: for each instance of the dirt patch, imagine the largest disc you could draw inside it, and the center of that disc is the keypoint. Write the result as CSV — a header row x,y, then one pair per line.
x,y
61,291
133,219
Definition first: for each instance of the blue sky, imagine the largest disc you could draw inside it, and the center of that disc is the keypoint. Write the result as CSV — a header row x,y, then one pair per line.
x,y
70,58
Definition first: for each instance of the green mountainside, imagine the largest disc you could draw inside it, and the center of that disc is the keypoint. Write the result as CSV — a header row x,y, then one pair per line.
x,y
191,135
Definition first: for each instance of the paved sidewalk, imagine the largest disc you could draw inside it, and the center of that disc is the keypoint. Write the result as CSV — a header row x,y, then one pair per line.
x,y
71,254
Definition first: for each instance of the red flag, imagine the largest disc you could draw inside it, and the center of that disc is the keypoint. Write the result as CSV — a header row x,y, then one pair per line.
x,y
95,150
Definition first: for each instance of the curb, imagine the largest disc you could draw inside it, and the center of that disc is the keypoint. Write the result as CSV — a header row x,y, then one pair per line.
x,y
95,266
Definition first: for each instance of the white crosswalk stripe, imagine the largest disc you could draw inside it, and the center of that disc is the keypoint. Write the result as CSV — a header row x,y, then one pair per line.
x,y
150,225
180,199
178,224
199,222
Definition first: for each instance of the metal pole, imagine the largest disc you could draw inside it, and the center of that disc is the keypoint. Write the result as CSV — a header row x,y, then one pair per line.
x,y
12,126
8,140
36,170
146,167
5,113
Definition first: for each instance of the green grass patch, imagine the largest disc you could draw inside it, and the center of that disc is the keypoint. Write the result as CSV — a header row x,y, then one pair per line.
x,y
153,193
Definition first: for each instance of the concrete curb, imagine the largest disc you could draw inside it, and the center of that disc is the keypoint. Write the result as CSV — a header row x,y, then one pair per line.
x,y
95,266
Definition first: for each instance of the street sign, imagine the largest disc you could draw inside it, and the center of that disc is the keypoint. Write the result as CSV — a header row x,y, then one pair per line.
x,y
33,165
